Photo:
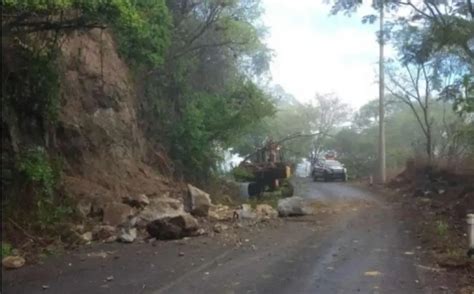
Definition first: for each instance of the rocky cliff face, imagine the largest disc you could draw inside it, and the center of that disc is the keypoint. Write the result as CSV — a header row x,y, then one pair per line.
x,y
105,152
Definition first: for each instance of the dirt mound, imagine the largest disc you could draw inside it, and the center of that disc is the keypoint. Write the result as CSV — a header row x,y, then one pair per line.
x,y
437,201
450,193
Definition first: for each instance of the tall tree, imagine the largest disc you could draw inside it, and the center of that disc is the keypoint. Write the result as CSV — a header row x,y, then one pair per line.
x,y
414,87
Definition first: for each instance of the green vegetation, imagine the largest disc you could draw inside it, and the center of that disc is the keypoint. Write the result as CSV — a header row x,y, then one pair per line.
x,y
6,249
38,176
442,228
35,167
141,27
210,121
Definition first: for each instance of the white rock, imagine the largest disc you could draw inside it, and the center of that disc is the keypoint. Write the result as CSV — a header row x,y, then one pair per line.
x,y
127,235
87,236
13,262
199,201
160,208
293,206
245,212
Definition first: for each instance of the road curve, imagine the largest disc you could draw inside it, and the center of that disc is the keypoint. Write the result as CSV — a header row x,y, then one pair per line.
x,y
356,244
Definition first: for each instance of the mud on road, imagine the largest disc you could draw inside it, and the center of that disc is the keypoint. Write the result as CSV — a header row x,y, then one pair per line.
x,y
355,243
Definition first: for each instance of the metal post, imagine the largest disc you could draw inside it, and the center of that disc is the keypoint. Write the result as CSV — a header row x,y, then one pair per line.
x,y
381,151
470,232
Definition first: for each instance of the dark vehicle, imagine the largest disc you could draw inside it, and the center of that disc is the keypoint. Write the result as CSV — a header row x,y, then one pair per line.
x,y
329,170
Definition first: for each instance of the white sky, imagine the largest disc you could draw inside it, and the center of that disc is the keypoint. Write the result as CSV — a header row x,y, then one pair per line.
x,y
316,52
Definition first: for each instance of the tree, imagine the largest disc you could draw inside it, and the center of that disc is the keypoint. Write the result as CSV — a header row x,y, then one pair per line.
x,y
434,27
308,125
329,113
414,88
205,95
141,27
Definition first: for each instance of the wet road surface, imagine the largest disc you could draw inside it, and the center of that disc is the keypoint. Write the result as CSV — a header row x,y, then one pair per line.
x,y
354,244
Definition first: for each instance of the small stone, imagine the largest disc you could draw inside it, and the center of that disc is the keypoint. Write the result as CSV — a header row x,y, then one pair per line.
x,y
181,253
13,262
103,232
84,208
127,235
111,239
199,232
140,200
109,278
265,211
79,228
218,228
87,237
45,287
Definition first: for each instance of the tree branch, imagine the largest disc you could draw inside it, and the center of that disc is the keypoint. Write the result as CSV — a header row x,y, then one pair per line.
x,y
408,102
45,25
408,3
199,47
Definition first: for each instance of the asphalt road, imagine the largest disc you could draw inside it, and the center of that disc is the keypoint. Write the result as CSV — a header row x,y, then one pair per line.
x,y
354,244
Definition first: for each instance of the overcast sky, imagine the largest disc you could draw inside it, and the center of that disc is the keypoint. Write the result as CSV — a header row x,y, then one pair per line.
x,y
315,52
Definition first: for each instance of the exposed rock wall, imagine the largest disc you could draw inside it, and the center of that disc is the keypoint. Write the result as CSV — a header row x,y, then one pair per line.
x,y
98,133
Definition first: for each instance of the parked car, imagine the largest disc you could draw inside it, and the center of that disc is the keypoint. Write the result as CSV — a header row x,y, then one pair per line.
x,y
329,170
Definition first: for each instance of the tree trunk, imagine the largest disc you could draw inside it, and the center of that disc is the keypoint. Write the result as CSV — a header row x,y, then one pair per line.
x,y
429,143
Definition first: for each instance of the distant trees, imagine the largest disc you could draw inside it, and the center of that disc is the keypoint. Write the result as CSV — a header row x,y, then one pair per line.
x,y
308,125
435,45
205,96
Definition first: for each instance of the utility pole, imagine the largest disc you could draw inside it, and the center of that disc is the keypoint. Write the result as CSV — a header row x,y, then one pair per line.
x,y
381,151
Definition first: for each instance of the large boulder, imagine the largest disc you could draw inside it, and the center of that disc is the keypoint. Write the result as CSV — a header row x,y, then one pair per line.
x,y
199,201
169,228
293,206
158,208
117,213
